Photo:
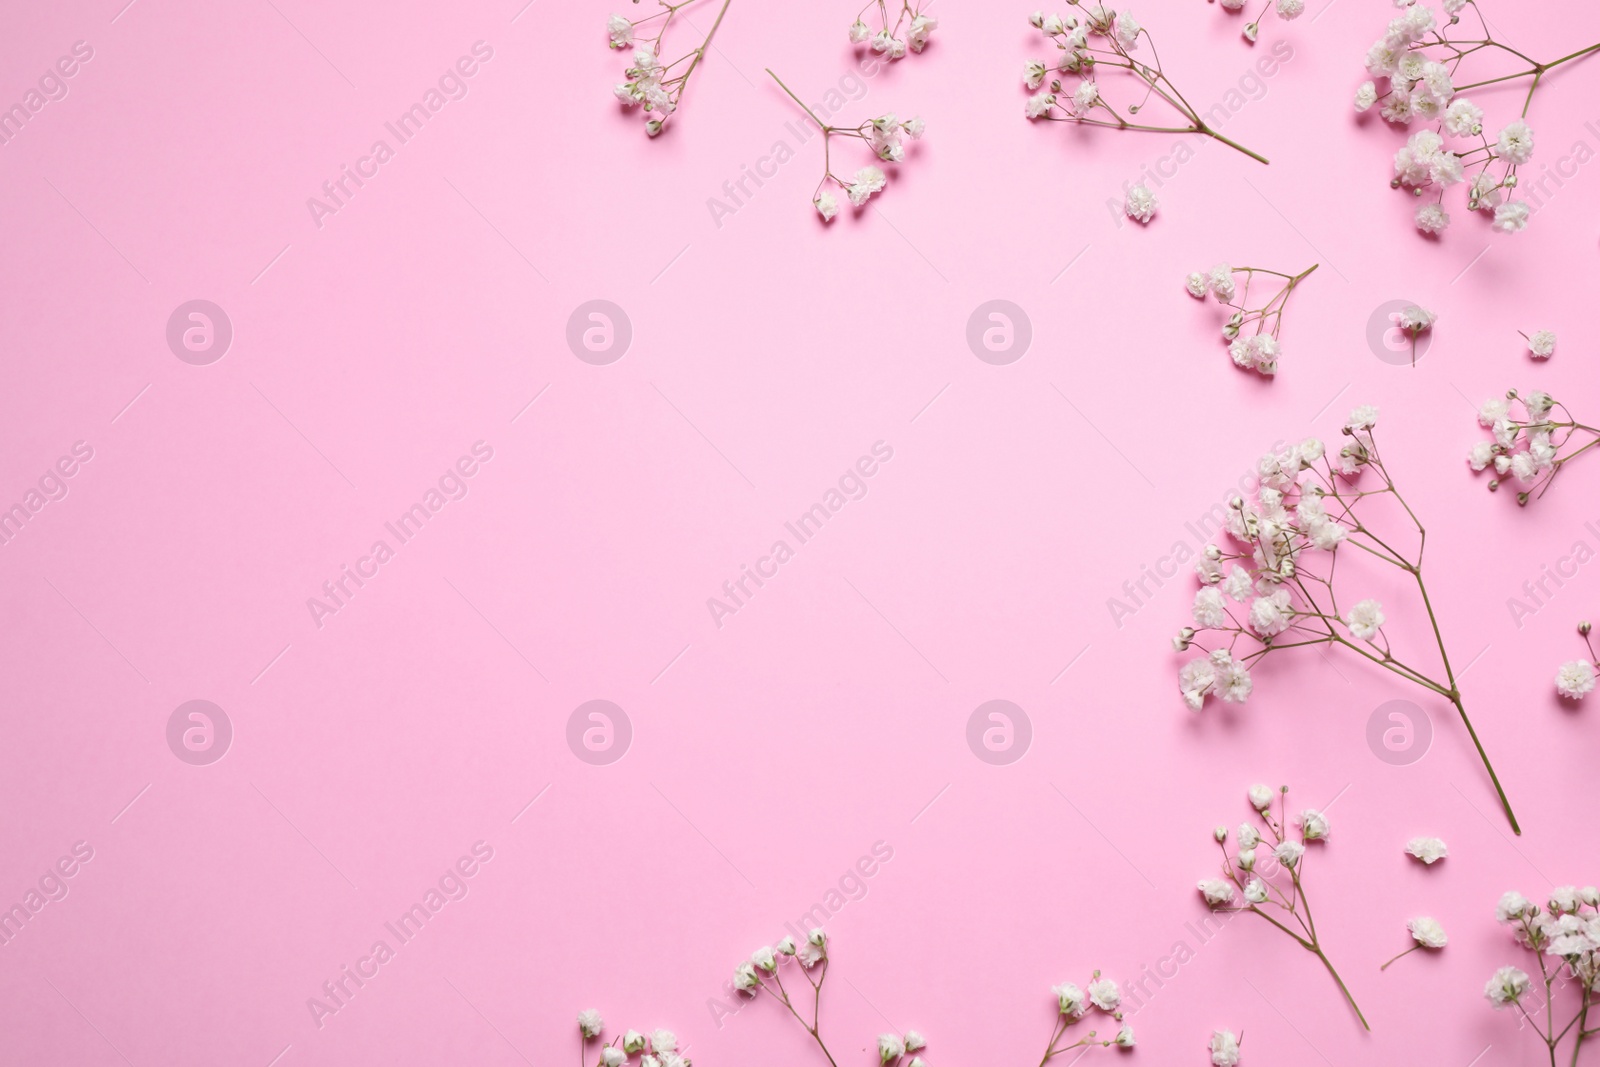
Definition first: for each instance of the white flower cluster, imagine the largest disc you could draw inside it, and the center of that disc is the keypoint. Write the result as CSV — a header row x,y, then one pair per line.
x,y
650,84
1575,680
1564,938
1076,1003
1417,78
1429,850
911,29
1140,203
1531,438
659,1048
885,135
1266,870
1258,350
1542,344
892,1048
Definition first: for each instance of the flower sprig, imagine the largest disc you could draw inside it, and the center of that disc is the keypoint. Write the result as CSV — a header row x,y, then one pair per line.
x,y
1565,943
659,1048
1074,1004
911,28
1420,62
1533,437
1101,42
1259,349
885,135
651,84
1282,589
1288,10
1261,881
762,972
1426,933
1575,679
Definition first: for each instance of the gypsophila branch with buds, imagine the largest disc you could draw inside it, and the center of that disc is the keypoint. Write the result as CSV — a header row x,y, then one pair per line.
x,y
1288,10
1074,1004
1282,589
1565,943
1575,679
1420,65
659,1048
653,86
1533,438
1273,885
1258,349
1096,48
910,30
885,135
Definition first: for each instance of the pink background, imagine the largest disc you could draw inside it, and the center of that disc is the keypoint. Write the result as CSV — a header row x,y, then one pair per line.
x,y
767,355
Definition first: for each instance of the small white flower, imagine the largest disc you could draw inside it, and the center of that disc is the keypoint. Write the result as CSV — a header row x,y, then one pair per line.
x,y
1288,853
868,180
1365,417
1216,891
1104,994
915,1041
890,1048
1416,319
1140,203
1255,891
1261,797
1575,680
1427,932
1512,906
1463,118
1070,999
1542,343
1124,1037
1210,611
1039,105
764,959
922,27
1366,96
620,31
589,1021
1224,1049
632,1042
859,32
1515,141
1313,825
612,1056
1197,285
1249,836
1365,619
663,1041
744,978
1510,217
1084,97
1431,218
1291,9
1033,73
1507,985
827,205
1429,850
1126,28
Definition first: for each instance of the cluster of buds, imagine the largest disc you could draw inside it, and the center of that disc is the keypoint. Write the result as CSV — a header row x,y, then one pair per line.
x,y
654,86
1251,332
885,135
659,1048
1267,869
1076,1003
1094,50
1564,938
910,30
1532,438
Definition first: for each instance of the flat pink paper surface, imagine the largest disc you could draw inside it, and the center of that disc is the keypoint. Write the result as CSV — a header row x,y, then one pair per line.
x,y
768,751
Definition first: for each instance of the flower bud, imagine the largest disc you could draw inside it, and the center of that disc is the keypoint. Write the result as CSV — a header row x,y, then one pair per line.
x,y
1220,833
1583,628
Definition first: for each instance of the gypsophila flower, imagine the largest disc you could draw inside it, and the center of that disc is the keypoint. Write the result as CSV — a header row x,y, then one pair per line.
x,y
1094,52
1506,986
1140,204
1224,1049
1532,438
1541,344
885,135
1251,333
1366,96
1429,850
910,31
1431,218
1074,1005
1575,680
1286,544
651,85
1275,891
656,1049
590,1023
1565,942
